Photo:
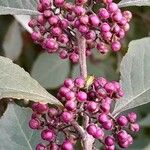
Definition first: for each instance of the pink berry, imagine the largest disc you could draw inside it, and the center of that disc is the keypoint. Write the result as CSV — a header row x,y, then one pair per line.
x,y
67,117
103,13
105,27
81,96
40,147
70,105
91,106
122,120
67,145
112,7
69,83
103,118
134,127
70,96
58,2
34,124
91,129
132,117
115,46
94,20
79,82
74,57
47,135
109,141
108,125
99,134
105,107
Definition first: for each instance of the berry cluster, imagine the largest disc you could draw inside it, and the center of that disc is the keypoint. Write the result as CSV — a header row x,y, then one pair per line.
x,y
56,27
94,98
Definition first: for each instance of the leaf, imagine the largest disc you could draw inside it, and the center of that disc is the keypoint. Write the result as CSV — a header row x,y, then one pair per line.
x,y
16,135
139,144
18,84
18,7
135,76
125,3
104,68
24,20
145,122
147,147
13,46
49,70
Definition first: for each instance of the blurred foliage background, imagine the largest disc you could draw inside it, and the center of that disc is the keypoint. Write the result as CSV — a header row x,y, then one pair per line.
x,y
99,65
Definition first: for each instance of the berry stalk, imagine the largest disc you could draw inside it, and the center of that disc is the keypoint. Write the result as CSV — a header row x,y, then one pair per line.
x,y
82,54
87,140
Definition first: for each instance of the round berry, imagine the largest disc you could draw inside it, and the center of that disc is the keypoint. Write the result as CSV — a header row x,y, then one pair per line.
x,y
47,135
40,147
81,96
91,129
122,120
34,124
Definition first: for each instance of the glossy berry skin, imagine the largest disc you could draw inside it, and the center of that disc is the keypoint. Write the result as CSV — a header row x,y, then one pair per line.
x,y
81,96
135,127
47,135
67,117
102,118
92,97
109,141
56,31
122,121
40,147
67,145
132,117
92,129
34,124
99,134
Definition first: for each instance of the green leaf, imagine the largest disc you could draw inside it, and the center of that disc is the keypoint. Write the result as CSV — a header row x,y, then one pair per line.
x,y
135,76
18,7
18,84
13,46
15,133
49,70
147,147
24,20
145,122
139,144
125,3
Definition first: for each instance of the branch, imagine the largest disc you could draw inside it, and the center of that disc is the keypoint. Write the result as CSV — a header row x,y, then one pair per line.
x,y
82,54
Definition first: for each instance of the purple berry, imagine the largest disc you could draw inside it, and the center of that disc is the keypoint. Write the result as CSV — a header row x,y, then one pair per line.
x,y
91,106
91,129
99,134
109,141
47,135
81,96
134,127
94,20
67,117
103,13
40,147
115,46
69,83
132,117
79,82
67,145
103,118
71,105
122,120
108,125
34,124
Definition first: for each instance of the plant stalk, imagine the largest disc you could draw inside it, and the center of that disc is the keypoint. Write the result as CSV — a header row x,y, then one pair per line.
x,y
87,140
